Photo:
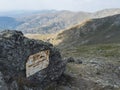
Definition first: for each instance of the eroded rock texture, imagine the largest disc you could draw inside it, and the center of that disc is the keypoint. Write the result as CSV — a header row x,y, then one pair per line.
x,y
14,52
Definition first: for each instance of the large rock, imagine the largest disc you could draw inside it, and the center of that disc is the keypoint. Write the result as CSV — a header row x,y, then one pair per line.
x,y
15,50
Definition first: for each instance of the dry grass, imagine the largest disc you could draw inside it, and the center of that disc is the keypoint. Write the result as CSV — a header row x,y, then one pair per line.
x,y
45,37
39,36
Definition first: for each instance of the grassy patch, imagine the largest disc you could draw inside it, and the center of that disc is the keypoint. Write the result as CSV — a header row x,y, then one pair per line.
x,y
100,50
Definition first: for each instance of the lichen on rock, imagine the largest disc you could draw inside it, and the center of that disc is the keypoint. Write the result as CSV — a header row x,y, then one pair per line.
x,y
14,52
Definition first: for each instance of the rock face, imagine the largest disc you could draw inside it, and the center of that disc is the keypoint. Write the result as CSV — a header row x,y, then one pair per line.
x,y
15,50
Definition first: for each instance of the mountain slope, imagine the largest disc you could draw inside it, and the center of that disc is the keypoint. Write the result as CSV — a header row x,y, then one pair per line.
x,y
59,20
51,22
95,31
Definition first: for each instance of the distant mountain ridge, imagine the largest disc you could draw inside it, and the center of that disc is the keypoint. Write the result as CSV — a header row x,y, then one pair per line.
x,y
8,23
52,21
20,13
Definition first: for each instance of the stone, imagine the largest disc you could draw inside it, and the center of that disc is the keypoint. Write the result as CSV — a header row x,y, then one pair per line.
x,y
70,59
37,62
15,51
73,60
3,85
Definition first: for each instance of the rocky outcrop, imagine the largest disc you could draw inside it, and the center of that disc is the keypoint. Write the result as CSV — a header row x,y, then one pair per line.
x,y
14,52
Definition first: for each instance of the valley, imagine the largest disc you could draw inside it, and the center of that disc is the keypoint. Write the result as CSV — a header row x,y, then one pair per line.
x,y
93,48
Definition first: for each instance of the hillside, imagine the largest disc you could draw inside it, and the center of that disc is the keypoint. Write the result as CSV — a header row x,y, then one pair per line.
x,y
94,50
87,39
21,13
51,21
59,20
94,31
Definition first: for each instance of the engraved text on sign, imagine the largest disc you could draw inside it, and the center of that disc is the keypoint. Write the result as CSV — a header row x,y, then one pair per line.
x,y
37,62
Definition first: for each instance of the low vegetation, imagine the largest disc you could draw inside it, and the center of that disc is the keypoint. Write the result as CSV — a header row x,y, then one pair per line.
x,y
99,50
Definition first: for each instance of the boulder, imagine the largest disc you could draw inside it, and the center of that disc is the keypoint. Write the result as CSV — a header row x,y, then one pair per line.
x,y
15,50
74,60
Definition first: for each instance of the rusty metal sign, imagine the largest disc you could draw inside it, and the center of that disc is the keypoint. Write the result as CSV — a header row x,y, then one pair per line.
x,y
37,62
